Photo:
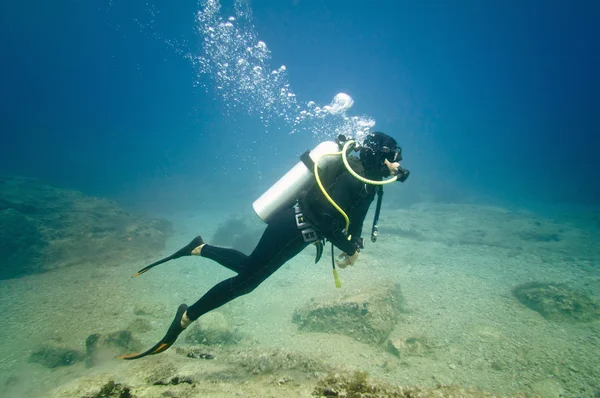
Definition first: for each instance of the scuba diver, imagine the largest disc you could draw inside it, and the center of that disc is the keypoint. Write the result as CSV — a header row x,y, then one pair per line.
x,y
326,196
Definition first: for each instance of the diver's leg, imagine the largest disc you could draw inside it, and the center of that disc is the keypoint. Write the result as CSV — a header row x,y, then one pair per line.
x,y
229,258
280,242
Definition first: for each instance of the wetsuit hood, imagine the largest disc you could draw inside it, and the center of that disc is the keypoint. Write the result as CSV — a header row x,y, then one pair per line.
x,y
375,149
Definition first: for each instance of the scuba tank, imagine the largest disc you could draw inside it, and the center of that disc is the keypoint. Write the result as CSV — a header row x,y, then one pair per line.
x,y
285,191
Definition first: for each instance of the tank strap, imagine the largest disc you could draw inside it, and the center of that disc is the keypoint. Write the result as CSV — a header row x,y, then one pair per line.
x,y
307,160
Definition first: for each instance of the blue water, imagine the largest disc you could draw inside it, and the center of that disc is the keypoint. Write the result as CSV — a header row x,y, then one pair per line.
x,y
190,111
497,99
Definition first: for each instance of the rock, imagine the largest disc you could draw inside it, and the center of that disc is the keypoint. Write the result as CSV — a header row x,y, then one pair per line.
x,y
261,360
212,329
148,308
368,316
96,386
140,325
101,347
55,355
112,389
358,384
409,347
246,372
557,302
395,346
43,228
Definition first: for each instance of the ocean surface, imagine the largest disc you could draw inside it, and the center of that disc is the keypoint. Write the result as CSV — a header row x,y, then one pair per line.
x,y
130,127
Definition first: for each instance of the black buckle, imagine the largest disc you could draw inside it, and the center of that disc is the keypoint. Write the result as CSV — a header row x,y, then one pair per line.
x,y
310,235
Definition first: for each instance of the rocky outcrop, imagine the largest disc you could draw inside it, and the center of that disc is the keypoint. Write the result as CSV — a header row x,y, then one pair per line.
x,y
367,316
248,373
212,329
102,347
54,355
558,302
43,228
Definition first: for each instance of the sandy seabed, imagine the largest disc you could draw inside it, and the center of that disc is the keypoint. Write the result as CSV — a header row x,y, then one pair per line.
x,y
456,264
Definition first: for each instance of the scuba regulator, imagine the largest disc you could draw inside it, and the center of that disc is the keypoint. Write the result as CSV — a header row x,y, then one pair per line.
x,y
377,147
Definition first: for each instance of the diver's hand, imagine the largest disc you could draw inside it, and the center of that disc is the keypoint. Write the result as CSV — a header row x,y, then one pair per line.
x,y
346,259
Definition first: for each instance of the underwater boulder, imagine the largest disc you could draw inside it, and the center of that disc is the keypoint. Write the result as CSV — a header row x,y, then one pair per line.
x,y
212,328
367,316
100,347
409,346
557,302
56,355
359,384
93,386
139,325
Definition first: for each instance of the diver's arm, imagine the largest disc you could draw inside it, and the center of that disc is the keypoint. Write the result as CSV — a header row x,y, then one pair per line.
x,y
343,194
333,231
357,215
357,219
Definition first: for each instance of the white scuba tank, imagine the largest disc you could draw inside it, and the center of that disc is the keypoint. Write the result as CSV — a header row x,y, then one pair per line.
x,y
286,190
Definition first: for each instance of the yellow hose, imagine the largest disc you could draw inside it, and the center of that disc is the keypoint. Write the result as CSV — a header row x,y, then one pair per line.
x,y
335,205
338,208
343,152
358,177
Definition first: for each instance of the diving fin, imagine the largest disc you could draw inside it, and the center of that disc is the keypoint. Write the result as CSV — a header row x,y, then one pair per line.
x,y
187,250
174,331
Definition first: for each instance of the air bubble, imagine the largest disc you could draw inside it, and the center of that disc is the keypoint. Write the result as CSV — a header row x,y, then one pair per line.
x,y
250,88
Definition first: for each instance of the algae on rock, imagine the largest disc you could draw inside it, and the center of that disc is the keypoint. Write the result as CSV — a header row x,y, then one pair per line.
x,y
367,316
557,302
43,228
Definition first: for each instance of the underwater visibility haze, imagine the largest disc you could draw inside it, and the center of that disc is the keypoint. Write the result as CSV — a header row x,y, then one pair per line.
x,y
130,127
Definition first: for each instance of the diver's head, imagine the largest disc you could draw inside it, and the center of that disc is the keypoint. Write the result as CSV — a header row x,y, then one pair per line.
x,y
375,150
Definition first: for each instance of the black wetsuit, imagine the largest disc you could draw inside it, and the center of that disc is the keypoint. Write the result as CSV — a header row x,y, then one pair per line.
x,y
282,240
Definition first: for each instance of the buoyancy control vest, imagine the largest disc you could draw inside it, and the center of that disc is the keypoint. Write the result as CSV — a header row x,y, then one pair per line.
x,y
314,203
